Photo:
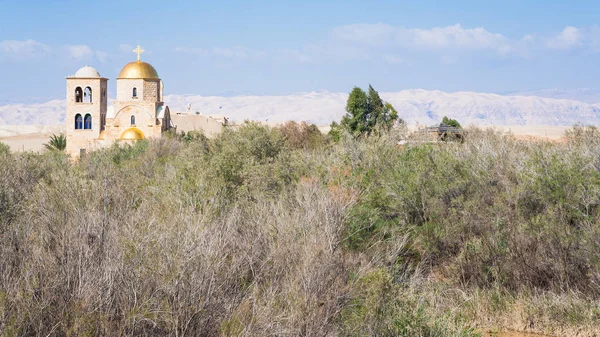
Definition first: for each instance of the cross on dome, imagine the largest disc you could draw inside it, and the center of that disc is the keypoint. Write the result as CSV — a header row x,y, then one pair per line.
x,y
139,51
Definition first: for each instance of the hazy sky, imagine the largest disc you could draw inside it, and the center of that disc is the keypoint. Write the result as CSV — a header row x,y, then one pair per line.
x,y
278,47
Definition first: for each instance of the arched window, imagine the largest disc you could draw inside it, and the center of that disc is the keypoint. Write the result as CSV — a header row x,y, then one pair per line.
x,y
78,122
134,94
87,95
87,122
132,120
78,95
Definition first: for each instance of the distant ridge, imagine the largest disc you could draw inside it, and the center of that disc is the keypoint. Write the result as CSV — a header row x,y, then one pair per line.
x,y
322,107
586,95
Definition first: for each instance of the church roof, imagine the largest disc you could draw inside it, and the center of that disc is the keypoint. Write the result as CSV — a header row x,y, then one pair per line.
x,y
87,72
138,69
132,134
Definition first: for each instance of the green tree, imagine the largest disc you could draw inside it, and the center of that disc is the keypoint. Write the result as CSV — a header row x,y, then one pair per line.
x,y
367,113
4,149
357,108
57,143
335,132
451,122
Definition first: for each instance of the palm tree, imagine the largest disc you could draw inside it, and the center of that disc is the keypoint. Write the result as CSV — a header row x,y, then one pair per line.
x,y
57,143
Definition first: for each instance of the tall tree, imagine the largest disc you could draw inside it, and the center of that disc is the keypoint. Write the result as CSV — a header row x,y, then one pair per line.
x,y
357,108
367,112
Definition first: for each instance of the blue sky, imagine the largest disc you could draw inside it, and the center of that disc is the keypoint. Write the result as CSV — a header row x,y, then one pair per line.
x,y
279,47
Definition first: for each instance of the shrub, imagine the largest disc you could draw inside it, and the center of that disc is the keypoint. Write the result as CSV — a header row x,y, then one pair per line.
x,y
4,149
451,122
301,135
246,234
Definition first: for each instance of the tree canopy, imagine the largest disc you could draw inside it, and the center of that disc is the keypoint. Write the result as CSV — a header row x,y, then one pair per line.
x,y
57,143
451,122
366,113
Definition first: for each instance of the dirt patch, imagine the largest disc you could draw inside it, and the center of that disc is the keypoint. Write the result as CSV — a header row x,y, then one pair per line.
x,y
29,142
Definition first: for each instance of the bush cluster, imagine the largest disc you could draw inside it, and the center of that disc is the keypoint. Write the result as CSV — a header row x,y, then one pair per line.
x,y
264,231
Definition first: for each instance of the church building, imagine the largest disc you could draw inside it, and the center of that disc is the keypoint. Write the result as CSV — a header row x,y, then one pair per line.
x,y
138,111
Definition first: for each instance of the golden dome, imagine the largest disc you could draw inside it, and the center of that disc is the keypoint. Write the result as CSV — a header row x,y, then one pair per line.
x,y
138,69
132,134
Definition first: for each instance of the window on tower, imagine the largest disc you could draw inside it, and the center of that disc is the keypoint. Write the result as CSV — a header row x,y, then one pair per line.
x,y
78,122
87,122
87,95
134,94
78,95
132,120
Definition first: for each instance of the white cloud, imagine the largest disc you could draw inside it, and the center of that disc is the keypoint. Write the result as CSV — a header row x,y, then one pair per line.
x,y
384,42
570,37
79,52
364,33
458,37
529,38
449,37
25,49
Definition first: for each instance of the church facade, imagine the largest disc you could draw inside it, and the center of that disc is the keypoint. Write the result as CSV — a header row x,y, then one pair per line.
x,y
138,111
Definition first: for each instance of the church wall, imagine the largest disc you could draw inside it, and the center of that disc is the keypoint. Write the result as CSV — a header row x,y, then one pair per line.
x,y
145,119
125,89
151,90
147,90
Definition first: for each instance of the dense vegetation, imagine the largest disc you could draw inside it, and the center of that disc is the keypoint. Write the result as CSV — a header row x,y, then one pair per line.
x,y
451,122
366,113
266,231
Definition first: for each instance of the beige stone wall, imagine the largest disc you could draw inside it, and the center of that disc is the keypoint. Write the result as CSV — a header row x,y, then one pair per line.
x,y
145,119
147,90
77,139
185,123
151,90
125,89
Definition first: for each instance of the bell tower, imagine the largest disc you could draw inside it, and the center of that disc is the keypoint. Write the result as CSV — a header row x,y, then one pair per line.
x,y
86,109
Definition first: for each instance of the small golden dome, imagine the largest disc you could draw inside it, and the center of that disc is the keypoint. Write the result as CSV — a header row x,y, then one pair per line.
x,y
132,134
138,69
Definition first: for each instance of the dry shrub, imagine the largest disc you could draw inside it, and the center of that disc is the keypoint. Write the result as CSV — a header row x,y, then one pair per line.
x,y
117,245
302,135
245,235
